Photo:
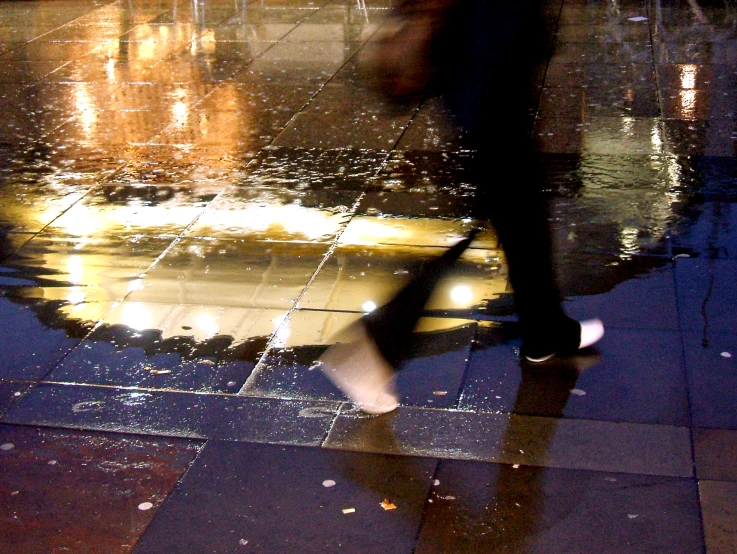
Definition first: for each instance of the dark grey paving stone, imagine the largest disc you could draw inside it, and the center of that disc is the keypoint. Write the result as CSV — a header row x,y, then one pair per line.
x,y
635,298
175,414
11,392
491,508
718,501
707,297
715,452
36,334
528,440
713,137
71,491
119,355
712,232
712,374
428,172
262,498
632,375
310,169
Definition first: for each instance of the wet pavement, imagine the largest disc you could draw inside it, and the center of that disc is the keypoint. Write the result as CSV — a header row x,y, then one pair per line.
x,y
194,197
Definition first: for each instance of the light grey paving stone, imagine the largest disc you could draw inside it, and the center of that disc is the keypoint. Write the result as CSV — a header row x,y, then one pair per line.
x,y
526,440
715,452
719,511
177,414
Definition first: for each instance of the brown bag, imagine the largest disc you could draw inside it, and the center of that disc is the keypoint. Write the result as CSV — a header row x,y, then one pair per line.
x,y
399,63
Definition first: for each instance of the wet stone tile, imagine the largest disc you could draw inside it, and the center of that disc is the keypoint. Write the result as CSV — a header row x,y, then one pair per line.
x,y
715,453
253,99
171,347
582,74
232,273
12,392
431,368
276,215
621,136
711,77
706,295
491,508
302,169
359,278
427,172
633,376
10,242
712,371
133,210
80,269
31,198
525,440
180,414
346,100
720,53
272,499
584,13
414,205
220,129
712,231
431,129
378,132
715,137
50,51
691,104
113,127
718,500
604,52
588,102
200,171
90,98
636,293
607,33
36,334
52,476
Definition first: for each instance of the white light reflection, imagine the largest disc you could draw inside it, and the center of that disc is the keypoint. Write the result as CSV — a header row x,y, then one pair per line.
x,y
282,332
368,306
75,270
461,294
136,316
630,244
207,324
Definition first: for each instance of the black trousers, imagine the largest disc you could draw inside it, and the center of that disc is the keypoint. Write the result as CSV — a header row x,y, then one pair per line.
x,y
487,54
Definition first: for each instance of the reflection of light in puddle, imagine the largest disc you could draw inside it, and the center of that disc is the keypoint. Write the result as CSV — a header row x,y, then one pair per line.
x,y
76,296
136,316
75,270
207,324
180,113
368,306
461,294
628,236
688,104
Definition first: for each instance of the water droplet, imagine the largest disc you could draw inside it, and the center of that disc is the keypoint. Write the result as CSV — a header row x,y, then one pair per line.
x,y
7,446
145,506
327,483
726,355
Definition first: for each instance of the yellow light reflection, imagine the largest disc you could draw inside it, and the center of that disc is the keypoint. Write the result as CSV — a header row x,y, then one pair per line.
x,y
688,104
75,269
86,108
688,74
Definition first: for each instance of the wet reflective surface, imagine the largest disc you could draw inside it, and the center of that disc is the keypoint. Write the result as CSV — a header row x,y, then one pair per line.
x,y
195,197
